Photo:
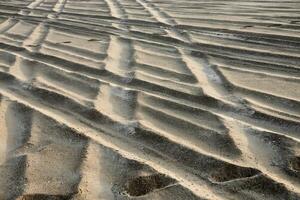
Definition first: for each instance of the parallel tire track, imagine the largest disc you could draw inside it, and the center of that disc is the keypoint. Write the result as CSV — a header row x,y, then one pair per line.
x,y
149,99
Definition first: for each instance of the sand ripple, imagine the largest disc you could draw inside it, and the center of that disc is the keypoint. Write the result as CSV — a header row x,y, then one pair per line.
x,y
149,99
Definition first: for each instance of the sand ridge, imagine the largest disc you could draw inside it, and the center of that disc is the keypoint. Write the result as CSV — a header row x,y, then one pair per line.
x,y
149,99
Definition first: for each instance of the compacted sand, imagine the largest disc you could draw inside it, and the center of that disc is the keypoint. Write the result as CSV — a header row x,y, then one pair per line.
x,y
150,99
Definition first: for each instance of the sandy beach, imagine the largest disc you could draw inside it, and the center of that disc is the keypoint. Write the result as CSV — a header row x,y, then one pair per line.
x,y
149,100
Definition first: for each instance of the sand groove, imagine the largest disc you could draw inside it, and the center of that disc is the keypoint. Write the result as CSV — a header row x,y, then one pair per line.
x,y
149,99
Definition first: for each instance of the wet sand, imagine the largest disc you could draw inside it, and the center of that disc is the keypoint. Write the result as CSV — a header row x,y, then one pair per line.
x,y
149,99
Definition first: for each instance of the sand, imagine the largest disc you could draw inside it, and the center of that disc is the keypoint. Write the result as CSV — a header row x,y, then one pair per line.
x,y
149,99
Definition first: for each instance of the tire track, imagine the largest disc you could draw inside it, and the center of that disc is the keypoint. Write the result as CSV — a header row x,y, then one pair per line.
x,y
149,99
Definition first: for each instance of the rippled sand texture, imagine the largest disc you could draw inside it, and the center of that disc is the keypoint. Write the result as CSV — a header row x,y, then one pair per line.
x,y
150,99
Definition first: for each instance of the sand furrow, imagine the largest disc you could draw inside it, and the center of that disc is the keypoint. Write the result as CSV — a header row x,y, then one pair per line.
x,y
157,167
149,99
68,117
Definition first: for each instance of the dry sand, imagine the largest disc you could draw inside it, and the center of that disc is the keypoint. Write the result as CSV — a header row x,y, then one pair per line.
x,y
150,99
